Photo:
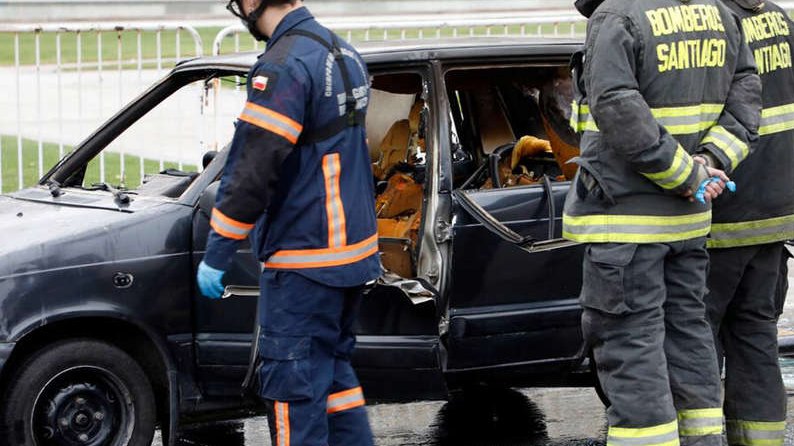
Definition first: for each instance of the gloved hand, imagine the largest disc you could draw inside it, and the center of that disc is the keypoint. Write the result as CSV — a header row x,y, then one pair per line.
x,y
209,281
701,192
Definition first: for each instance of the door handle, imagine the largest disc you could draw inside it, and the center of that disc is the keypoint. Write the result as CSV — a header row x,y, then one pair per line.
x,y
240,291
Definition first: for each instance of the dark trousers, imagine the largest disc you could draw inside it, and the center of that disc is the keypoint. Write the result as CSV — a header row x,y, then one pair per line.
x,y
644,318
305,376
743,310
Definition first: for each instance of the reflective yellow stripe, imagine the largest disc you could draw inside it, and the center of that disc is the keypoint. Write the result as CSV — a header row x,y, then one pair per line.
x,y
689,414
661,435
735,149
581,120
635,228
676,174
756,433
747,233
690,110
700,422
777,119
688,119
646,220
677,120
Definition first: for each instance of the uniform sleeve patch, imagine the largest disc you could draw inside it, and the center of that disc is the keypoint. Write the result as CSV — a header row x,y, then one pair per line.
x,y
259,83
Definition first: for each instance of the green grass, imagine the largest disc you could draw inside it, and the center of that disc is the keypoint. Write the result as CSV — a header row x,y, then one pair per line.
x,y
30,162
148,47
88,46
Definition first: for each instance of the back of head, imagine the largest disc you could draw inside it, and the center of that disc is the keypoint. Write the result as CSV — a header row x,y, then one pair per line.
x,y
587,7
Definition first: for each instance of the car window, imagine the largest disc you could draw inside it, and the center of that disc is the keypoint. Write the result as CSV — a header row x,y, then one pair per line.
x,y
518,115
163,151
395,132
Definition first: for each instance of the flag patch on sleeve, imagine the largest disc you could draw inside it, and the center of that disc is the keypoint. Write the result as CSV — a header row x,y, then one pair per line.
x,y
260,83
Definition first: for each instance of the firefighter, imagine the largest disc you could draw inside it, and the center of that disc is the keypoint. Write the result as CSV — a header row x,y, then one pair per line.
x,y
298,180
747,239
667,98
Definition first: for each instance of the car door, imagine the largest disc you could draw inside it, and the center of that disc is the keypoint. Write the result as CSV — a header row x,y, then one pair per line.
x,y
514,280
224,327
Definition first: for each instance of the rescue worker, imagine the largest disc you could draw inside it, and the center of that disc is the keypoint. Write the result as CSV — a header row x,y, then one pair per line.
x,y
667,97
298,178
747,239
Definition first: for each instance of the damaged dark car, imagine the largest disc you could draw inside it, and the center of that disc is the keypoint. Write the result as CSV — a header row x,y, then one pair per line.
x,y
104,335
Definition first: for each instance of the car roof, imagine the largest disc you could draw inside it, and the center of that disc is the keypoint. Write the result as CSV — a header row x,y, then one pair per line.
x,y
411,50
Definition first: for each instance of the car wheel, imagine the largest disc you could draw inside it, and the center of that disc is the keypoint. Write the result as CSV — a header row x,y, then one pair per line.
x,y
79,392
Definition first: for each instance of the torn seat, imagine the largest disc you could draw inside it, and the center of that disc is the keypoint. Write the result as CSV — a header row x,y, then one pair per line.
x,y
401,142
399,211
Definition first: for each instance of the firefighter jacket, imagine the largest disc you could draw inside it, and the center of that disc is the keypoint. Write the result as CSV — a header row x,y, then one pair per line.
x,y
657,81
298,177
762,209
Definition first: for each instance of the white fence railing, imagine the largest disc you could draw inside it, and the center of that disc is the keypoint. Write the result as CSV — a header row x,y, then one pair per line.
x,y
402,28
63,80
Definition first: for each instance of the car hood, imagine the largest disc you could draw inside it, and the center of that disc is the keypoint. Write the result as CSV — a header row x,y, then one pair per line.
x,y
39,232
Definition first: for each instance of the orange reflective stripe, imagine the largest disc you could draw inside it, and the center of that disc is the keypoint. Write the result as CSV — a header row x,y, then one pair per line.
x,y
348,399
325,257
335,211
272,121
282,424
229,227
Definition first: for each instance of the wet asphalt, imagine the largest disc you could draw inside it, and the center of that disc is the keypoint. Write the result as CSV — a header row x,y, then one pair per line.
x,y
506,417
525,417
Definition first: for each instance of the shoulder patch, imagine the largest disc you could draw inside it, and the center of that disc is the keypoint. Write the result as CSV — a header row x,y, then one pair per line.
x,y
259,83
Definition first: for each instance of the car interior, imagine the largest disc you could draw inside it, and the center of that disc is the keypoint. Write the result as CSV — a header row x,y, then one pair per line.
x,y
395,130
510,126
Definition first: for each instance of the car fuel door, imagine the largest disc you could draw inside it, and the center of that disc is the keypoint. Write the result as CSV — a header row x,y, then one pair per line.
x,y
515,281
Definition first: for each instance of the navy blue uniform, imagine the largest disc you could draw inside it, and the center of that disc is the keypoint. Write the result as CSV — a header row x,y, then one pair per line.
x,y
299,181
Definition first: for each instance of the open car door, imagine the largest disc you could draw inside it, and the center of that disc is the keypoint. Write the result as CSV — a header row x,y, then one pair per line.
x,y
516,281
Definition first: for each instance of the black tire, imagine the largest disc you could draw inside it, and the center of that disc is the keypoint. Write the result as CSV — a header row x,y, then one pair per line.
x,y
79,391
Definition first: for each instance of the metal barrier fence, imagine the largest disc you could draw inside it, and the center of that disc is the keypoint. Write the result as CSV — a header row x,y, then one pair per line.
x,y
396,28
63,80
64,87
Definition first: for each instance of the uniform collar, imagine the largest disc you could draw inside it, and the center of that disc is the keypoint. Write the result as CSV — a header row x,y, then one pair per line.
x,y
750,5
290,21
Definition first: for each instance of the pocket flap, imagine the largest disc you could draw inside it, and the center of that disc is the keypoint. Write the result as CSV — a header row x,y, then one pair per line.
x,y
617,254
284,348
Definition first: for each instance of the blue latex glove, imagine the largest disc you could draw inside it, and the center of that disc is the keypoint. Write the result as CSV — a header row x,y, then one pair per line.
x,y
700,195
209,281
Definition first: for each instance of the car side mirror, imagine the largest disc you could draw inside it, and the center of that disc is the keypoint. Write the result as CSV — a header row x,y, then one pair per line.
x,y
207,200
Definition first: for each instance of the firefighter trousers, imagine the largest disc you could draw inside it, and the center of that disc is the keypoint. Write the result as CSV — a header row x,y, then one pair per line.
x,y
742,307
304,372
644,319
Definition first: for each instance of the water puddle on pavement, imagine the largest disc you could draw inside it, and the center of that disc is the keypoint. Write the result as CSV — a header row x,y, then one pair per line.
x,y
787,370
